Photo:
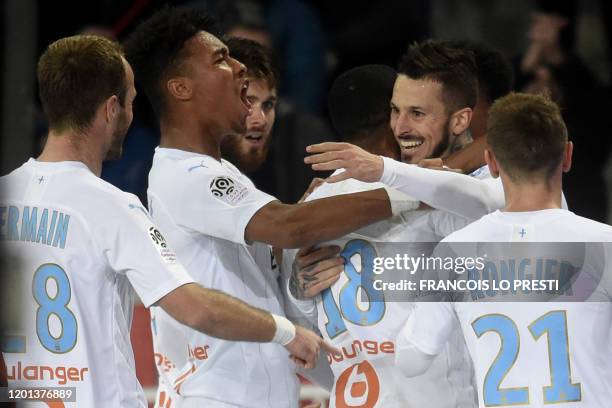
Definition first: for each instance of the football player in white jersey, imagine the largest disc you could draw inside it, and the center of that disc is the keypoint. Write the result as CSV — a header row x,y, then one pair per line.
x,y
81,242
214,216
470,197
529,150
431,75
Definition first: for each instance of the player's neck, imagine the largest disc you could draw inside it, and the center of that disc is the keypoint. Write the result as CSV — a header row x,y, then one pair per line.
x,y
73,146
529,196
189,137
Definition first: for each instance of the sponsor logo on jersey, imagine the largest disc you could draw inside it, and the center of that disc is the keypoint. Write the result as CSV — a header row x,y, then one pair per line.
x,y
357,387
62,375
228,190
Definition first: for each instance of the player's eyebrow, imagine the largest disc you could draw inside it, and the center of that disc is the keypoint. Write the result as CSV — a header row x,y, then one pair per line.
x,y
410,107
220,52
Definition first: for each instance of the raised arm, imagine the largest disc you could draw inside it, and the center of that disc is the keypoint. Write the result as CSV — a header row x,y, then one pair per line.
x,y
452,192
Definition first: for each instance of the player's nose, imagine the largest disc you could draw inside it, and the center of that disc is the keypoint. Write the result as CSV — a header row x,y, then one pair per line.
x,y
257,118
238,68
403,124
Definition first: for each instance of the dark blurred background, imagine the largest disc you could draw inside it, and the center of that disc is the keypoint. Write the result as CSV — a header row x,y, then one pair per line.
x,y
560,46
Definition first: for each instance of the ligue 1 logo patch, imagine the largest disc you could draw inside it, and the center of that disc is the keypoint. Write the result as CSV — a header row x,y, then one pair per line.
x,y
228,190
158,239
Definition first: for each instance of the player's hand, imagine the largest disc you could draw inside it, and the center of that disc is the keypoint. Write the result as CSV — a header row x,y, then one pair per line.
x,y
437,164
305,347
316,182
358,163
315,270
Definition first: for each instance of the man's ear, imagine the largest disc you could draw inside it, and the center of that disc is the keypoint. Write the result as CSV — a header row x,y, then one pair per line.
x,y
567,157
460,121
492,163
111,108
180,88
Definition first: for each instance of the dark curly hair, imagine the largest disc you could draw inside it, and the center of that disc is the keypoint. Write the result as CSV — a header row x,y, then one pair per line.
x,y
156,48
454,68
358,100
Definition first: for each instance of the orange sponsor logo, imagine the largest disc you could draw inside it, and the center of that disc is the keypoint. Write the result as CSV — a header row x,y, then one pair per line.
x,y
357,347
357,387
61,374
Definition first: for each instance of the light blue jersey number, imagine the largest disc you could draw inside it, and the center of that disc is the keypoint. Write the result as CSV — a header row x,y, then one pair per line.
x,y
49,304
555,325
349,294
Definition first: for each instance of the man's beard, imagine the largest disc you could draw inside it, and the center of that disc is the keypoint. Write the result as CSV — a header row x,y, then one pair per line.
x,y
116,148
443,146
438,151
247,160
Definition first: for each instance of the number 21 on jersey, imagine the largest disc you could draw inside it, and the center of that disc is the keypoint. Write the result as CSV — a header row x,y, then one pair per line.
x,y
554,324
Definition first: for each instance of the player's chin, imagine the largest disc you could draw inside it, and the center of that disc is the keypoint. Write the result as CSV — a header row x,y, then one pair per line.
x,y
414,156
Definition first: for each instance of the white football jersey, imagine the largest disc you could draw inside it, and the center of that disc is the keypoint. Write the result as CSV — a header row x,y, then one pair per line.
x,y
531,354
80,242
365,374
203,206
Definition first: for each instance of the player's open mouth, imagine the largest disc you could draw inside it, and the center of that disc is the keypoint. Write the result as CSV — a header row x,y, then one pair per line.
x,y
254,138
243,94
410,142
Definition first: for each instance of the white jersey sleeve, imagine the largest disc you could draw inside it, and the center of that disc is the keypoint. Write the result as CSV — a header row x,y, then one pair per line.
x,y
219,202
429,326
456,193
467,196
136,248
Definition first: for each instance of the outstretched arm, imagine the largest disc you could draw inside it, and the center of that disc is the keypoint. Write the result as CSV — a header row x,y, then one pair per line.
x,y
220,315
452,192
305,224
455,193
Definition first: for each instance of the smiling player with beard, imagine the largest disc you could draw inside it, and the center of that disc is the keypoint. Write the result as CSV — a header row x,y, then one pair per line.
x,y
431,103
249,150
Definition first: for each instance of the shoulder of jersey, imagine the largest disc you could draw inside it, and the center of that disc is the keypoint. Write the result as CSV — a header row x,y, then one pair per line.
x,y
98,194
589,226
168,161
469,232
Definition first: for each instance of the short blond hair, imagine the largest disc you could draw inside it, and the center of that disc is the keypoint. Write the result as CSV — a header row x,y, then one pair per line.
x,y
75,75
527,135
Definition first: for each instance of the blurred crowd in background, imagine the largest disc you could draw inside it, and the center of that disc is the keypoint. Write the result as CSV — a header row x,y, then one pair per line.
x,y
557,46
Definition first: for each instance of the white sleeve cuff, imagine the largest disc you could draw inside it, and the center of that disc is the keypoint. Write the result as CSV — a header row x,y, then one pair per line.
x,y
389,171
